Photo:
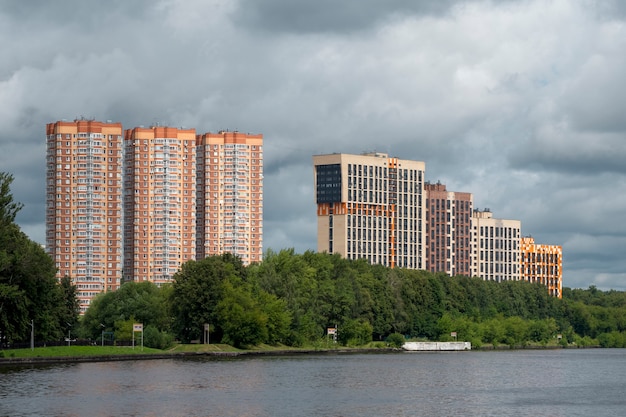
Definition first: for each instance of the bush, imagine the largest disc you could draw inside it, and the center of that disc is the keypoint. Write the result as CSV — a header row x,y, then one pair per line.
x,y
612,340
476,342
395,340
154,338
355,333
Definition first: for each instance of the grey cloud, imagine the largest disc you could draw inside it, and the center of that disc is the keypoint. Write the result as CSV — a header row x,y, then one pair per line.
x,y
595,100
489,96
331,16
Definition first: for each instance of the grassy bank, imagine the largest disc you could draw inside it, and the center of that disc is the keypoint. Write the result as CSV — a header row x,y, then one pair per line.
x,y
75,351
95,351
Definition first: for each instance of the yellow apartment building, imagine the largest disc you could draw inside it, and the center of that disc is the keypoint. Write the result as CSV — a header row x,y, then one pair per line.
x,y
542,264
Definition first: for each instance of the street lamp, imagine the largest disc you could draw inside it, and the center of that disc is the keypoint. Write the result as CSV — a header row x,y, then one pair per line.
x,y
69,333
102,325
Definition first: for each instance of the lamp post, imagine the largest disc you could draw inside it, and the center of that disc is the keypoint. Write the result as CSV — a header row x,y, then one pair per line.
x,y
69,333
102,325
32,335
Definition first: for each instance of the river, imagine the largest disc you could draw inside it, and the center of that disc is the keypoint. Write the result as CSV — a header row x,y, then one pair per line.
x,y
570,382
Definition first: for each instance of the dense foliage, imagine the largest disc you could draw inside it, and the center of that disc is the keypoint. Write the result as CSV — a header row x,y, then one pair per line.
x,y
293,299
116,312
29,291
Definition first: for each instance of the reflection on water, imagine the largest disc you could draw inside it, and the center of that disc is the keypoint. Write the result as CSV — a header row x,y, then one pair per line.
x,y
524,383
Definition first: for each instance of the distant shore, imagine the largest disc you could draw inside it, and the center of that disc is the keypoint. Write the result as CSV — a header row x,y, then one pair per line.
x,y
50,360
41,360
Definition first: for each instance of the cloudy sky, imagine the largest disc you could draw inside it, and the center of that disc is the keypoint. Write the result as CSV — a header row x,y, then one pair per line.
x,y
520,102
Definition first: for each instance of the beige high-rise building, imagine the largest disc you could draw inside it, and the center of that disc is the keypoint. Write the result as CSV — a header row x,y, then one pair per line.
x,y
371,206
495,247
84,204
448,230
159,202
230,195
542,264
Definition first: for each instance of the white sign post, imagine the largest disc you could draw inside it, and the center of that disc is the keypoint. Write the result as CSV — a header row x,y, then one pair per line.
x,y
332,331
138,327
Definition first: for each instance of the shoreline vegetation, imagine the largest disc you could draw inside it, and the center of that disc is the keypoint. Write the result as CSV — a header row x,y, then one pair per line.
x,y
82,354
287,301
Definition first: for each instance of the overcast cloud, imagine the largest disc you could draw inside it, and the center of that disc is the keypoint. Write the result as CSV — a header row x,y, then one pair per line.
x,y
519,102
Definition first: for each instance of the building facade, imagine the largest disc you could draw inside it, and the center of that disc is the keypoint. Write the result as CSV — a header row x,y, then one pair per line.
x,y
230,195
542,264
448,230
159,202
371,206
495,247
84,204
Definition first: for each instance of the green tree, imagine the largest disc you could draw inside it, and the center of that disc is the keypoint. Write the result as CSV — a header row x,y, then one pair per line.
x,y
515,331
124,330
243,321
493,331
278,318
542,330
355,332
28,286
197,290
144,302
8,207
70,308
395,340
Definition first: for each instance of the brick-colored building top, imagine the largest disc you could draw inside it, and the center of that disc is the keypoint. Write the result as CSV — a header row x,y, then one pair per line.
x,y
84,204
448,230
230,195
159,202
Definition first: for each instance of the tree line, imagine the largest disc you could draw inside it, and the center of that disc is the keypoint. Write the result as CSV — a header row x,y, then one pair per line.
x,y
30,294
292,299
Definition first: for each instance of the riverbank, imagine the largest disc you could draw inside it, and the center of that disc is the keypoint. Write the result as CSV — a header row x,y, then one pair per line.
x,y
218,352
229,352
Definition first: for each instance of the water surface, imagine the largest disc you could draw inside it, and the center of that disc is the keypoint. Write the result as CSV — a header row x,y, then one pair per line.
x,y
585,382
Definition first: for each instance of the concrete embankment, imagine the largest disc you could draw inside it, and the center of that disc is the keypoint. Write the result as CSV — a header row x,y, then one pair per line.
x,y
436,346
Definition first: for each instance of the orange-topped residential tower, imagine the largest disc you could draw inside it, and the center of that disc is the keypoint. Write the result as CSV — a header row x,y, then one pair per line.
x,y
230,195
159,202
84,204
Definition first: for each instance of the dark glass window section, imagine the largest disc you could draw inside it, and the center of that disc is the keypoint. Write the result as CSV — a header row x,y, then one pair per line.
x,y
328,183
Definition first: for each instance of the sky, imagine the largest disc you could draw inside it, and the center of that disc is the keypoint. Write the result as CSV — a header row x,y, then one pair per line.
x,y
521,103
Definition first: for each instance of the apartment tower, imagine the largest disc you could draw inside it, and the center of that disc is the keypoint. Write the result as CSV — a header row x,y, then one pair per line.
x,y
159,202
230,195
370,206
448,230
495,247
84,204
542,264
